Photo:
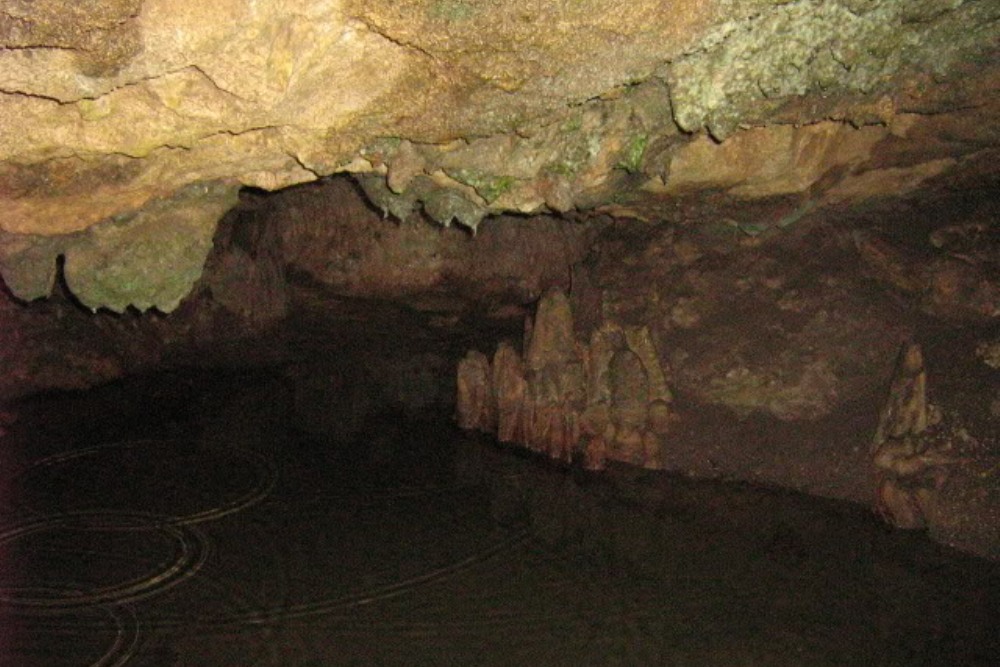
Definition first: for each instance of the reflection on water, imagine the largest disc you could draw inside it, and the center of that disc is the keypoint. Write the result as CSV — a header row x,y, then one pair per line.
x,y
186,520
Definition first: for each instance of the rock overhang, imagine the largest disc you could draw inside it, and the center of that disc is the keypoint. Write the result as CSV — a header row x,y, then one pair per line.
x,y
118,112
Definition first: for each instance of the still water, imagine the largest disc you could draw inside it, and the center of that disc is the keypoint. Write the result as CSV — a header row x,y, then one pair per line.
x,y
191,519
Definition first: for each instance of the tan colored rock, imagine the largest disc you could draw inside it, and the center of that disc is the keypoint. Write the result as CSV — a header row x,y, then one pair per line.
x,y
245,272
553,341
28,265
538,427
152,259
144,80
147,259
958,282
604,342
628,445
661,417
774,160
652,456
595,419
469,109
901,505
629,389
593,402
958,288
911,451
640,341
888,262
407,164
629,406
906,411
475,403
510,389
896,180
557,432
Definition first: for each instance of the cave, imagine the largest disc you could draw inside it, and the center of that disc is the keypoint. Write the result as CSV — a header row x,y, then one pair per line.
x,y
467,333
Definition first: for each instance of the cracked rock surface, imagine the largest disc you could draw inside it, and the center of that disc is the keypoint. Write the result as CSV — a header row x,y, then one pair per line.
x,y
463,110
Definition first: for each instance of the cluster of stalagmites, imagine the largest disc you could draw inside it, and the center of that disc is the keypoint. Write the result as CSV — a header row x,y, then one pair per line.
x,y
592,402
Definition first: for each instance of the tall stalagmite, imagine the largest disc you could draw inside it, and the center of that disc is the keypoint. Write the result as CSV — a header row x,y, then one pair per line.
x,y
606,400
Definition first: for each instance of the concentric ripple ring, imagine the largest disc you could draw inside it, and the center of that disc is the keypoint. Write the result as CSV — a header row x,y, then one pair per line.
x,y
263,472
190,552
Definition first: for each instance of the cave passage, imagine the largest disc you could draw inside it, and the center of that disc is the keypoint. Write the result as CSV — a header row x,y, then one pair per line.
x,y
499,333
304,510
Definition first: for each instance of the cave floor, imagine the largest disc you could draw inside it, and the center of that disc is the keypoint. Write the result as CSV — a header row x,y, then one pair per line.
x,y
185,519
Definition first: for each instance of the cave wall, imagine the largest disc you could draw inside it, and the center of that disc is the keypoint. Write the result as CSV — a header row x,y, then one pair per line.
x,y
138,137
790,357
280,257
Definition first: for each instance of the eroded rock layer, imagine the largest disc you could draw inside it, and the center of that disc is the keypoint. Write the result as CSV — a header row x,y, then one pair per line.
x,y
110,112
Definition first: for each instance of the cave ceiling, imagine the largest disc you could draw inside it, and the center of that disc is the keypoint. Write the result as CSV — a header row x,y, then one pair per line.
x,y
127,127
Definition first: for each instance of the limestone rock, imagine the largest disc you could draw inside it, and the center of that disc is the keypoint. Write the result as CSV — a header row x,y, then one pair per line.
x,y
553,341
595,454
245,272
959,280
773,160
640,341
152,259
911,450
475,404
906,411
605,401
629,397
28,265
148,259
603,344
804,47
475,109
510,389
329,232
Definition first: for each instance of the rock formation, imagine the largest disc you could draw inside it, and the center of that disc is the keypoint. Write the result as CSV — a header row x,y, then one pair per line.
x,y
475,405
115,112
594,402
748,203
911,450
510,391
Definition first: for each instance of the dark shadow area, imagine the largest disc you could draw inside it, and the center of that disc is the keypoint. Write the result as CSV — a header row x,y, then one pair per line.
x,y
272,475
308,513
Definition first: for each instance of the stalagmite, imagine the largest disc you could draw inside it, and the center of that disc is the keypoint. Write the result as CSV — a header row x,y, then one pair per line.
x,y
606,400
476,407
510,390
906,411
552,341
911,465
629,399
640,341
